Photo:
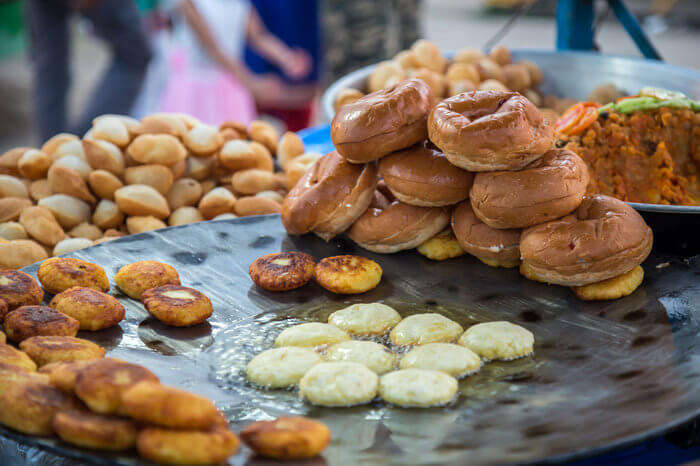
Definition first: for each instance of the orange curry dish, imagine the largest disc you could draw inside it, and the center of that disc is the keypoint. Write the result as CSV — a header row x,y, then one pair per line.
x,y
649,155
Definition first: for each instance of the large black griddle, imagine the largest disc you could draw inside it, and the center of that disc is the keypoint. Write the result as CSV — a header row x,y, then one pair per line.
x,y
604,375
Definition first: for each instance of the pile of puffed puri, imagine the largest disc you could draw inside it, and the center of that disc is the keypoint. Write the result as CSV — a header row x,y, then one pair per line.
x,y
127,176
406,167
53,383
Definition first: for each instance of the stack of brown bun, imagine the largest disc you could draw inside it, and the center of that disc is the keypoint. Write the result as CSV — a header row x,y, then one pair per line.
x,y
406,167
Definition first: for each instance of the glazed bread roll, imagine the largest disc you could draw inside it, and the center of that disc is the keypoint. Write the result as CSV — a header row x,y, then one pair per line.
x,y
330,196
382,122
489,130
603,238
422,176
497,248
546,189
390,225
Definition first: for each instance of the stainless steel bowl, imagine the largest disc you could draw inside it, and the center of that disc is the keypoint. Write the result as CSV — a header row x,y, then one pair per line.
x,y
575,75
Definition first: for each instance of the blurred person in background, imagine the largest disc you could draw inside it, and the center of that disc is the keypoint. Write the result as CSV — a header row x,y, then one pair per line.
x,y
207,77
363,32
117,22
296,23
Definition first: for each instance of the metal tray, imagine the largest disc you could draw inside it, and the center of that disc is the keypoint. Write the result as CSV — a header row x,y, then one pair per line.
x,y
604,375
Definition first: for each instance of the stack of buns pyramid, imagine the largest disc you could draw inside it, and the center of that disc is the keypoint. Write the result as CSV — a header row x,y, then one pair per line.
x,y
406,167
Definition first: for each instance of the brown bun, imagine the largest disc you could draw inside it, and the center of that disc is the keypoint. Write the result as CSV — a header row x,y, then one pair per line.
x,y
547,189
422,176
382,122
602,239
390,225
497,248
330,196
489,130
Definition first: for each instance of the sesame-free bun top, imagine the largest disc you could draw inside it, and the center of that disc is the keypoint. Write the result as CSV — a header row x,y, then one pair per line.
x,y
330,196
390,225
602,239
422,176
489,130
383,122
494,247
548,188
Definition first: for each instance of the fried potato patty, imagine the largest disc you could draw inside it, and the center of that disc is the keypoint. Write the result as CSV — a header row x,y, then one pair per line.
x,y
498,340
135,278
96,431
13,375
193,447
348,274
420,329
18,289
287,438
612,288
11,356
310,334
29,407
47,349
177,305
170,407
60,273
441,247
63,375
100,385
3,338
30,321
365,319
282,271
94,309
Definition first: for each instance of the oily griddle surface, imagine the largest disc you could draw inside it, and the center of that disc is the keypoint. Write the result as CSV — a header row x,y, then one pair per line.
x,y
603,375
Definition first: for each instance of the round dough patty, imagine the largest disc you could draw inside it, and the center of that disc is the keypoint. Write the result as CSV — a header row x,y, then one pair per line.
x,y
419,388
311,334
281,367
455,360
498,340
378,358
420,329
339,384
365,319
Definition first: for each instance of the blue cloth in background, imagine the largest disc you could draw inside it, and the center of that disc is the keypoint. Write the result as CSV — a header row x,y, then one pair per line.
x,y
296,23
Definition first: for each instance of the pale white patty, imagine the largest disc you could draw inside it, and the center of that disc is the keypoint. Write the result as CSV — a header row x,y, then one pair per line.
x,y
378,358
417,388
311,334
449,358
420,329
281,367
365,319
339,384
498,340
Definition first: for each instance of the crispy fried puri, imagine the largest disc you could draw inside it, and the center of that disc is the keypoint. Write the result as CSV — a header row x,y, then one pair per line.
x,y
135,278
193,447
63,375
18,289
94,309
11,356
60,273
287,438
157,404
176,305
97,431
29,407
282,271
30,321
47,349
101,384
348,274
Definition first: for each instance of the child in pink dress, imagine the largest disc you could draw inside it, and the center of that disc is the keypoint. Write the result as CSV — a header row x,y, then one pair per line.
x,y
206,77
